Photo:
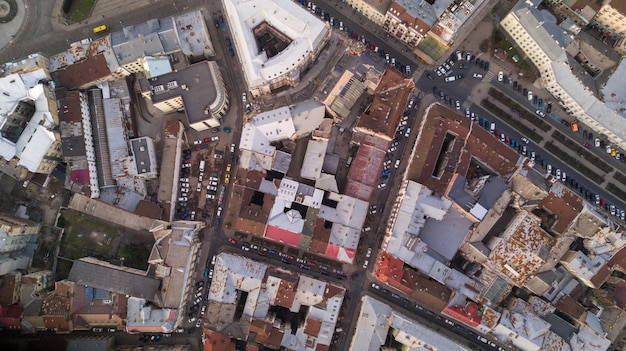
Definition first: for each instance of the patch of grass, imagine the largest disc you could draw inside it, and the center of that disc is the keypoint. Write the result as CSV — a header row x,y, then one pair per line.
x,y
432,47
491,107
499,41
573,162
620,177
134,255
81,10
85,236
615,190
536,121
574,146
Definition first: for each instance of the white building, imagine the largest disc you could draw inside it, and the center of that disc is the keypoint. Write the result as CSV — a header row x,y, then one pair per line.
x,y
377,318
28,117
543,41
302,34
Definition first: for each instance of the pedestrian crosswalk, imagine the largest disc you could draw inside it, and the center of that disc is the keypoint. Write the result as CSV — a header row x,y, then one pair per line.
x,y
488,77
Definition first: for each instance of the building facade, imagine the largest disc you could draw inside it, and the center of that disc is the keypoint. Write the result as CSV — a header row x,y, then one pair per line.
x,y
611,17
408,21
374,10
544,43
198,89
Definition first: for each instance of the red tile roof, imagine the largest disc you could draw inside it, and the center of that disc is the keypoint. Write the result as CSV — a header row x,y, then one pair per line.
x,y
11,317
217,342
390,99
479,144
83,72
468,314
282,236
564,204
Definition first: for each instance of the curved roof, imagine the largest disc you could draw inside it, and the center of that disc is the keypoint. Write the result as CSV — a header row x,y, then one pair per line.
x,y
305,31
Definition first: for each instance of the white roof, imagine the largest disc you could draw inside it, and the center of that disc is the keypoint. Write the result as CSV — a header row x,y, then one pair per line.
x,y
307,116
140,314
35,140
262,129
305,31
232,273
291,220
376,318
314,159
372,326
156,66
350,211
418,204
589,340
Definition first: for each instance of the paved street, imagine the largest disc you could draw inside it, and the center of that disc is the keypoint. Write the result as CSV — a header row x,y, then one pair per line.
x,y
42,31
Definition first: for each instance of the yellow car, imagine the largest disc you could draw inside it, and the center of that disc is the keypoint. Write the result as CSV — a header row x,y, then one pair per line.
x,y
228,167
227,178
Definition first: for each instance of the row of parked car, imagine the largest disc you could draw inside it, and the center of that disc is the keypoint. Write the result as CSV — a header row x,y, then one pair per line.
x,y
446,68
555,172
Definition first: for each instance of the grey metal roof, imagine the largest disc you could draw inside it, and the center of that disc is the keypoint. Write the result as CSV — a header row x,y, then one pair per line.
x,y
123,280
542,27
156,36
195,84
492,191
142,155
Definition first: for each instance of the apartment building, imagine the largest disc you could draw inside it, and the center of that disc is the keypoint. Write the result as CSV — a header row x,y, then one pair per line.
x,y
374,10
410,20
543,41
197,89
29,116
611,17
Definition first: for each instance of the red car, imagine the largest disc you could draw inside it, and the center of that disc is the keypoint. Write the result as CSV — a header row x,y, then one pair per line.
x,y
232,241
206,140
587,145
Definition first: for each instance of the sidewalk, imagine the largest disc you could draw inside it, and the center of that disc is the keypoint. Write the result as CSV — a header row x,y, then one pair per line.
x,y
10,30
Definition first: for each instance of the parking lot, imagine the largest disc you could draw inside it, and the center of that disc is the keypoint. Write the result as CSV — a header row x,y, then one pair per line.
x,y
205,172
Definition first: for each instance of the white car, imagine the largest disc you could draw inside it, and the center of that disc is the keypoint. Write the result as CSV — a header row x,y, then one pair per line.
x,y
397,164
478,76
408,132
540,113
198,323
458,105
365,264
524,139
500,76
530,95
549,168
369,252
597,142
382,185
243,97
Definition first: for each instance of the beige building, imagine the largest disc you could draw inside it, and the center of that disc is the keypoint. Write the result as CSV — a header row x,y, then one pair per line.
x,y
544,42
374,10
159,37
612,17
409,20
198,89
